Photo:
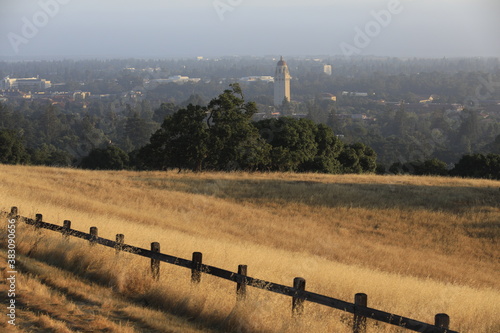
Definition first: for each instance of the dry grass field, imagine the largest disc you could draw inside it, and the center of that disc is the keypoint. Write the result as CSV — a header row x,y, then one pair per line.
x,y
416,245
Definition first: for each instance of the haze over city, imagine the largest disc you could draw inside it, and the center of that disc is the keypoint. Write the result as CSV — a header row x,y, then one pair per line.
x,y
155,28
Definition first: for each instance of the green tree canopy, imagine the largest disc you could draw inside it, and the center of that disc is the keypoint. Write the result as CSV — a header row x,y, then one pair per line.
x,y
138,130
12,150
433,166
478,166
293,142
235,142
495,145
181,142
329,148
165,109
358,158
110,158
50,155
220,136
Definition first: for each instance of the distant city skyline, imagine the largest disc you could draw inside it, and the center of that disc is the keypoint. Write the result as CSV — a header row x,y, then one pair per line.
x,y
166,29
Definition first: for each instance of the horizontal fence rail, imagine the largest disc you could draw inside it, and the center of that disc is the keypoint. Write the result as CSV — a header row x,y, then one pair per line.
x,y
297,292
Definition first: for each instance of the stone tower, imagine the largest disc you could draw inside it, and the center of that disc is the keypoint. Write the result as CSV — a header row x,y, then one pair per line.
x,y
281,83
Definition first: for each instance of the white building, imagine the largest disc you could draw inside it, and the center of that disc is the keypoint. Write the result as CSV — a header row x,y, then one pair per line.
x,y
179,79
354,94
257,79
81,95
281,83
327,69
26,84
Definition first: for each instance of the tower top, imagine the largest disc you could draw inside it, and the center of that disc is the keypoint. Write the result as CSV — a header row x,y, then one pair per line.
x,y
282,62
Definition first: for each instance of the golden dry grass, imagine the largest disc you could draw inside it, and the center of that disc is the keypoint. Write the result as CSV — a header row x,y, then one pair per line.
x,y
416,245
49,299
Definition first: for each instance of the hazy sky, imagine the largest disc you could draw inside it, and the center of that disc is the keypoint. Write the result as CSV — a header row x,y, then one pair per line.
x,y
174,28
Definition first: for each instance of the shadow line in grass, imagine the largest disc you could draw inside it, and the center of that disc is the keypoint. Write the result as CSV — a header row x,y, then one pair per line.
x,y
371,196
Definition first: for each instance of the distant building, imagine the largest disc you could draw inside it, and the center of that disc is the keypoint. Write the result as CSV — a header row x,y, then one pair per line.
x,y
25,84
354,94
15,94
431,107
179,79
257,79
327,69
327,97
81,95
281,83
359,116
355,116
429,100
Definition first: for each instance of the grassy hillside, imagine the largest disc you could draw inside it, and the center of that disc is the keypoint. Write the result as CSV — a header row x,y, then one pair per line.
x,y
416,245
56,300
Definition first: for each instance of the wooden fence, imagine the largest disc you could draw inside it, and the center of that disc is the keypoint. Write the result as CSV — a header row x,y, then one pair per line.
x,y
359,308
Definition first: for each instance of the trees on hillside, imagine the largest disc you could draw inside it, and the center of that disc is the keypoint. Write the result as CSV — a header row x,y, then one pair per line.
x,y
110,158
293,142
12,149
217,137
478,166
222,136
50,155
181,142
358,158
137,131
432,167
234,142
329,147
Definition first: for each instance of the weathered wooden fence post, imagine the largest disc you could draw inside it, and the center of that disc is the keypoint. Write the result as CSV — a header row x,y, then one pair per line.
x,y
93,235
359,322
442,320
241,287
155,263
66,228
299,284
196,268
120,240
38,220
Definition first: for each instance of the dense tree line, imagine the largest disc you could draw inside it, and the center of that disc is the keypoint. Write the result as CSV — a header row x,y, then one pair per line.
x,y
122,131
222,136
469,166
219,136
398,134
55,135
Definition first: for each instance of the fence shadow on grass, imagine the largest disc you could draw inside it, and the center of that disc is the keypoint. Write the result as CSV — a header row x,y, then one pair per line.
x,y
297,291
